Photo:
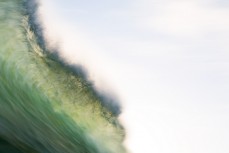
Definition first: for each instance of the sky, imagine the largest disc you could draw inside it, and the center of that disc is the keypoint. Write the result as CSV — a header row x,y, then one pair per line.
x,y
167,61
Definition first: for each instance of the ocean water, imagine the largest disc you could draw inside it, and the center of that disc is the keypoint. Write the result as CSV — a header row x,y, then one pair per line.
x,y
46,105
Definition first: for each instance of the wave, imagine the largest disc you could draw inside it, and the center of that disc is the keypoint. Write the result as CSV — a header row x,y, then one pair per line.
x,y
47,105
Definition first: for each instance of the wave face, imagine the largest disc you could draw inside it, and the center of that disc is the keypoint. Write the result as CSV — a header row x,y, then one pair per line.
x,y
47,106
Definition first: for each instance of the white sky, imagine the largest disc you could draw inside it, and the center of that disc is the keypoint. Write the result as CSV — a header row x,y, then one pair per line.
x,y
167,60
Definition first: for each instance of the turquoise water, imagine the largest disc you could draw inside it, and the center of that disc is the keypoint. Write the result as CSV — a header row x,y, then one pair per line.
x,y
47,106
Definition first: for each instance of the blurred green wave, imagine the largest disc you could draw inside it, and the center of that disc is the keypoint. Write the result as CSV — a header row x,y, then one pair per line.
x,y
47,106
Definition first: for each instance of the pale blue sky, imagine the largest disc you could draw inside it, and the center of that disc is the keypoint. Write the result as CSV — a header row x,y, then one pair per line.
x,y
167,60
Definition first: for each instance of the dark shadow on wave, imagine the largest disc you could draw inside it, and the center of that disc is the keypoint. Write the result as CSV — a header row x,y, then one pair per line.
x,y
6,147
109,102
31,9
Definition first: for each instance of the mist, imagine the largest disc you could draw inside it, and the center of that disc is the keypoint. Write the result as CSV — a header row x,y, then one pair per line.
x,y
167,62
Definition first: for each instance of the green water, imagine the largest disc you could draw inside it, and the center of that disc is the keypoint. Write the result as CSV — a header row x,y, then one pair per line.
x,y
45,106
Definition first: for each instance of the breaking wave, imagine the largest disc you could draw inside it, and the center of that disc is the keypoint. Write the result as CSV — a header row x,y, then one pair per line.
x,y
46,105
